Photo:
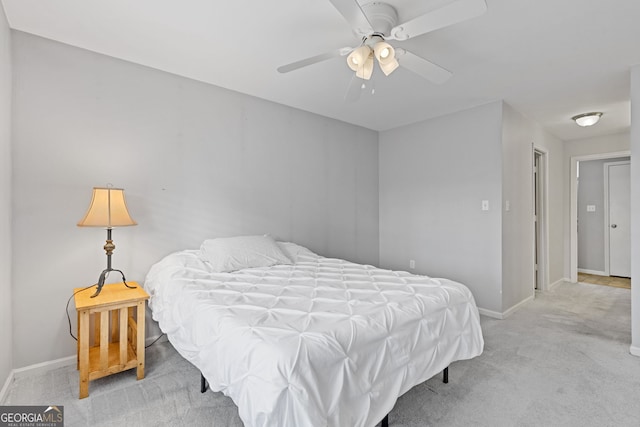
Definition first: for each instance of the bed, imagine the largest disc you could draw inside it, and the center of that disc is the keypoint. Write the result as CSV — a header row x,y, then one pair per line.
x,y
299,339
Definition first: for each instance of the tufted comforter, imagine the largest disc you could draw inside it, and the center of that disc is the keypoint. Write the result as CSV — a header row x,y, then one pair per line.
x,y
322,342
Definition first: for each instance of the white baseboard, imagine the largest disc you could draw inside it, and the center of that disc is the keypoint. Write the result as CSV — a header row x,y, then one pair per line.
x,y
5,388
43,367
33,370
594,272
557,282
513,309
507,313
40,368
490,313
634,350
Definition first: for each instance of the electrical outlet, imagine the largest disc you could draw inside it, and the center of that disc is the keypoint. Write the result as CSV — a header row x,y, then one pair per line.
x,y
412,263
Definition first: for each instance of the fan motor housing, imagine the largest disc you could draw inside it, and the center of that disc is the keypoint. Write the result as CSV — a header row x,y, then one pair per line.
x,y
382,17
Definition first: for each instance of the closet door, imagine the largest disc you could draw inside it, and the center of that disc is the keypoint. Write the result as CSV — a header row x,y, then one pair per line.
x,y
619,209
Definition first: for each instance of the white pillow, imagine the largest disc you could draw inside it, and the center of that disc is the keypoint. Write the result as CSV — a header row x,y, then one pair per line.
x,y
227,254
293,251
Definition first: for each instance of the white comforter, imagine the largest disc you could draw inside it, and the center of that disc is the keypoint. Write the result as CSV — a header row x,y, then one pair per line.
x,y
323,342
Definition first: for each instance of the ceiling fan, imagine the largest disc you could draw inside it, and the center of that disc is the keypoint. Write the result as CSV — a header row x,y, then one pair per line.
x,y
377,22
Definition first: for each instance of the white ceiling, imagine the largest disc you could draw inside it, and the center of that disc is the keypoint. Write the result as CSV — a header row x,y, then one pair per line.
x,y
549,59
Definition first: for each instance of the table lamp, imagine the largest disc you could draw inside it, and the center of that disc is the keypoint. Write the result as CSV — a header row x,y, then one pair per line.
x,y
107,209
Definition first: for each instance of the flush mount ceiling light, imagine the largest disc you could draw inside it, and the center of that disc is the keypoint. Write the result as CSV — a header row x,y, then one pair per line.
x,y
587,119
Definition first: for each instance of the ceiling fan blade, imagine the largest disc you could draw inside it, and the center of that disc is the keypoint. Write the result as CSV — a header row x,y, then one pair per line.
x,y
422,67
353,14
358,86
354,90
314,59
452,13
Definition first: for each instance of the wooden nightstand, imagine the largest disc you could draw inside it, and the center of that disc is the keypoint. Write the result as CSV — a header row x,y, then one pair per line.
x,y
118,333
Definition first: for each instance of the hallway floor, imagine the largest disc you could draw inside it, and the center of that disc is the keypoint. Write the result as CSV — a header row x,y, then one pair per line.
x,y
618,282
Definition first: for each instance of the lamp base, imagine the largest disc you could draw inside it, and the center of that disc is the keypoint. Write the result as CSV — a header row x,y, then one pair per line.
x,y
103,277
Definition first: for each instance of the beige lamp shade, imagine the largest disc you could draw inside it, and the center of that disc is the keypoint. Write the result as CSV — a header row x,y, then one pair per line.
x,y
108,209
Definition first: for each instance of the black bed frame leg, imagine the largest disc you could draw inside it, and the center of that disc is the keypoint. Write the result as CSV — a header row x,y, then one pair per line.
x,y
385,420
203,384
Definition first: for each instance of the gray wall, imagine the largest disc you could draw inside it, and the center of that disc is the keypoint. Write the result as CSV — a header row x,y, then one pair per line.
x,y
517,222
6,323
232,164
519,136
590,224
433,178
635,210
556,196
591,228
196,161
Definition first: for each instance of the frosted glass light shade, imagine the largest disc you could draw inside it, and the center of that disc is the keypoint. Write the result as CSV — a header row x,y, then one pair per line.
x,y
361,61
358,57
587,119
386,56
366,70
389,67
107,209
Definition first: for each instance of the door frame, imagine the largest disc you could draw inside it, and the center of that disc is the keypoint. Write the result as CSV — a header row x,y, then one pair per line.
x,y
573,211
606,212
541,240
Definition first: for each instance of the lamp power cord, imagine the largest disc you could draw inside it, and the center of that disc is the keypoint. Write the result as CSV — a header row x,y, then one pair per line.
x,y
69,317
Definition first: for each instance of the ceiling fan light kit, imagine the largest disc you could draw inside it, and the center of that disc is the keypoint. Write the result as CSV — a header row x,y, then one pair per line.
x,y
361,61
386,56
587,119
377,22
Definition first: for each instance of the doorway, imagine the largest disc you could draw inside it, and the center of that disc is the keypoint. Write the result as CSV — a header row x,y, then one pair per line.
x,y
573,216
540,215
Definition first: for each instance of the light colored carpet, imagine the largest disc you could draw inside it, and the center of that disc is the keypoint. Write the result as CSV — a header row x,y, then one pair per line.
x,y
561,360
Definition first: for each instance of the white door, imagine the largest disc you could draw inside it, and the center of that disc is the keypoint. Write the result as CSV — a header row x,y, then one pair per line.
x,y
619,180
